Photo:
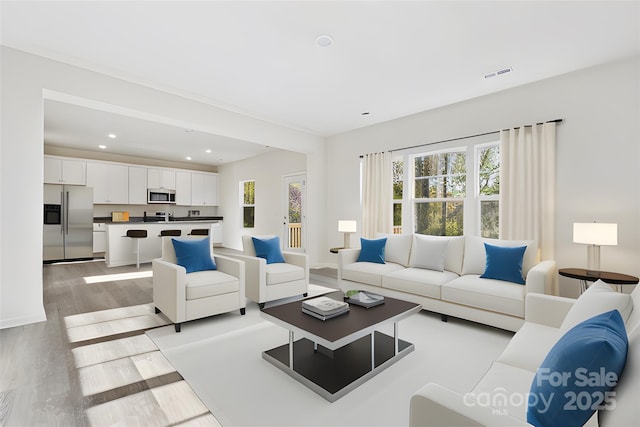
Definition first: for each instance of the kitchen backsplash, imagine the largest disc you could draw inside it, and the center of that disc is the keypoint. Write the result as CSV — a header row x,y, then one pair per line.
x,y
138,210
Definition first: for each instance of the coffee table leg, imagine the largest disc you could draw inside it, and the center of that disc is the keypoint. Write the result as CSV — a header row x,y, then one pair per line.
x,y
291,350
373,351
395,338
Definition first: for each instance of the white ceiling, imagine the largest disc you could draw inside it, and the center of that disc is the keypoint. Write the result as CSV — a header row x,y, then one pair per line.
x,y
389,58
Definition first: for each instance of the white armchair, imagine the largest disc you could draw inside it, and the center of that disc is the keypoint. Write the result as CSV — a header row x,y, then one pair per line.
x,y
183,296
269,282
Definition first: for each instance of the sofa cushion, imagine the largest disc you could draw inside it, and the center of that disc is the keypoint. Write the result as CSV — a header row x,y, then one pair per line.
x,y
417,281
529,346
598,298
489,294
268,248
634,318
368,272
194,254
283,272
504,263
454,251
475,255
372,250
586,361
627,410
202,284
398,248
504,389
429,253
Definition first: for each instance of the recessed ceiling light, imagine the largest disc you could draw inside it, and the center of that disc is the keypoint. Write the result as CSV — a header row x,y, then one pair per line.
x,y
188,157
102,147
324,40
207,151
112,135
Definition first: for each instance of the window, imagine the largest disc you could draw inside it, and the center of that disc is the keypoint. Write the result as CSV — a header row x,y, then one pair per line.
x,y
440,183
398,182
248,198
488,193
449,192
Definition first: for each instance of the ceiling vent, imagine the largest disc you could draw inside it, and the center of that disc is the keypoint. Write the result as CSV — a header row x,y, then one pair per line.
x,y
498,73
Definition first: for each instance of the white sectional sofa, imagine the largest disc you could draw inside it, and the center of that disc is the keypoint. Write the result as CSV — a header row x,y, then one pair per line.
x,y
443,275
501,397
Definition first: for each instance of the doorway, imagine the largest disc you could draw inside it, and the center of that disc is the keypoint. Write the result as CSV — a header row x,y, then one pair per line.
x,y
294,236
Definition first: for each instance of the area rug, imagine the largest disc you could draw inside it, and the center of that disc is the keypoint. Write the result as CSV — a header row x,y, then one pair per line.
x,y
221,359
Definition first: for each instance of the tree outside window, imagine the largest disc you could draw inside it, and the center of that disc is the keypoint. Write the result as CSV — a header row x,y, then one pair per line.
x,y
398,182
440,190
488,161
248,189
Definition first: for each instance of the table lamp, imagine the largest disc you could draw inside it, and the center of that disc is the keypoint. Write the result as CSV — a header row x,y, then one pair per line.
x,y
347,227
595,234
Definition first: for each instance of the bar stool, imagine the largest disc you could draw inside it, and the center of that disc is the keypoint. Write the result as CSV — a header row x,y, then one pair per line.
x,y
137,235
170,233
199,232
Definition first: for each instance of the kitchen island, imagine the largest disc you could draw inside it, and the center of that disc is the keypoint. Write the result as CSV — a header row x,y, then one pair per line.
x,y
121,250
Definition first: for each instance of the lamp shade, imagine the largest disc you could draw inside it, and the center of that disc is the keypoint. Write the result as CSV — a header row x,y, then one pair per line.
x,y
595,233
347,226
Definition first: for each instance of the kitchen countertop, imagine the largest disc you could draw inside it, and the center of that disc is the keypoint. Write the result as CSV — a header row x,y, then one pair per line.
x,y
157,219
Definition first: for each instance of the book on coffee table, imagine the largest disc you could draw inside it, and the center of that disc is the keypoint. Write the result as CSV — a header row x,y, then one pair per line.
x,y
366,299
325,317
325,306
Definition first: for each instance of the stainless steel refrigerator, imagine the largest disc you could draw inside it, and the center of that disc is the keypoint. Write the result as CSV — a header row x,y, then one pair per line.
x,y
68,222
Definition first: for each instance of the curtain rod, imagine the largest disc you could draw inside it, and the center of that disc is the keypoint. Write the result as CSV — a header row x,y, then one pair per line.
x,y
466,137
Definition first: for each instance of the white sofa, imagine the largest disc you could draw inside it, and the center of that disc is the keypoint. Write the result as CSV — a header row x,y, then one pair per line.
x,y
496,399
443,275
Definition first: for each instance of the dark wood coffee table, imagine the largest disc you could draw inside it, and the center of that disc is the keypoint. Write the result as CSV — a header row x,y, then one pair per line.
x,y
335,356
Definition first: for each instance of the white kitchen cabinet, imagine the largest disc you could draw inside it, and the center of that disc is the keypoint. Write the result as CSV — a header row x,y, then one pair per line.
x,y
183,188
99,237
161,179
63,171
204,189
137,185
110,183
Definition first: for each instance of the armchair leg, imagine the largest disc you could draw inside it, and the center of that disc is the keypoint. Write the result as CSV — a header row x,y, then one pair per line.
x,y
157,310
444,317
305,294
261,305
178,326
243,311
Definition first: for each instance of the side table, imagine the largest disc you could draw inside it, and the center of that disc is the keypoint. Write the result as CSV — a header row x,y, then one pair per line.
x,y
605,276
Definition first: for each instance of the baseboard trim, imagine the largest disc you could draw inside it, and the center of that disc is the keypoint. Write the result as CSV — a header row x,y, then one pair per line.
x,y
23,320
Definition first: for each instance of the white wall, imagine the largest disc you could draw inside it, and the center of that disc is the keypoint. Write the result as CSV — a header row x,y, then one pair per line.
x,y
597,156
25,78
267,171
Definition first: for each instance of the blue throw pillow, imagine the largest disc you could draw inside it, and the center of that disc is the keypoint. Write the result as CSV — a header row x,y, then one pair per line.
x,y
578,374
268,249
194,254
372,250
504,263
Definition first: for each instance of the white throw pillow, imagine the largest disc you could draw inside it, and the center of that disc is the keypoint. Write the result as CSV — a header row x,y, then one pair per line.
x,y
598,298
475,256
429,252
398,248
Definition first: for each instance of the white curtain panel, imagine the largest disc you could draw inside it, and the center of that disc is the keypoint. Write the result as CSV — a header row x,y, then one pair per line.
x,y
376,194
527,185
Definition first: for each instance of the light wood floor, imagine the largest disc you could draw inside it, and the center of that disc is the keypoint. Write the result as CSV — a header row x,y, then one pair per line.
x,y
39,381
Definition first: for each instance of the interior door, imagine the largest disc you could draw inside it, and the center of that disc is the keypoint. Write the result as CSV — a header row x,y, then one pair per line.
x,y
294,219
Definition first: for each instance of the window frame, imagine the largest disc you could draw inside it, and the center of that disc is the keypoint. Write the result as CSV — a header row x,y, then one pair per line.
x,y
471,202
479,198
244,205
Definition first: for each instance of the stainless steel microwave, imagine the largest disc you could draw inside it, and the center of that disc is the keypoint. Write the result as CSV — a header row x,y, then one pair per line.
x,y
161,196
